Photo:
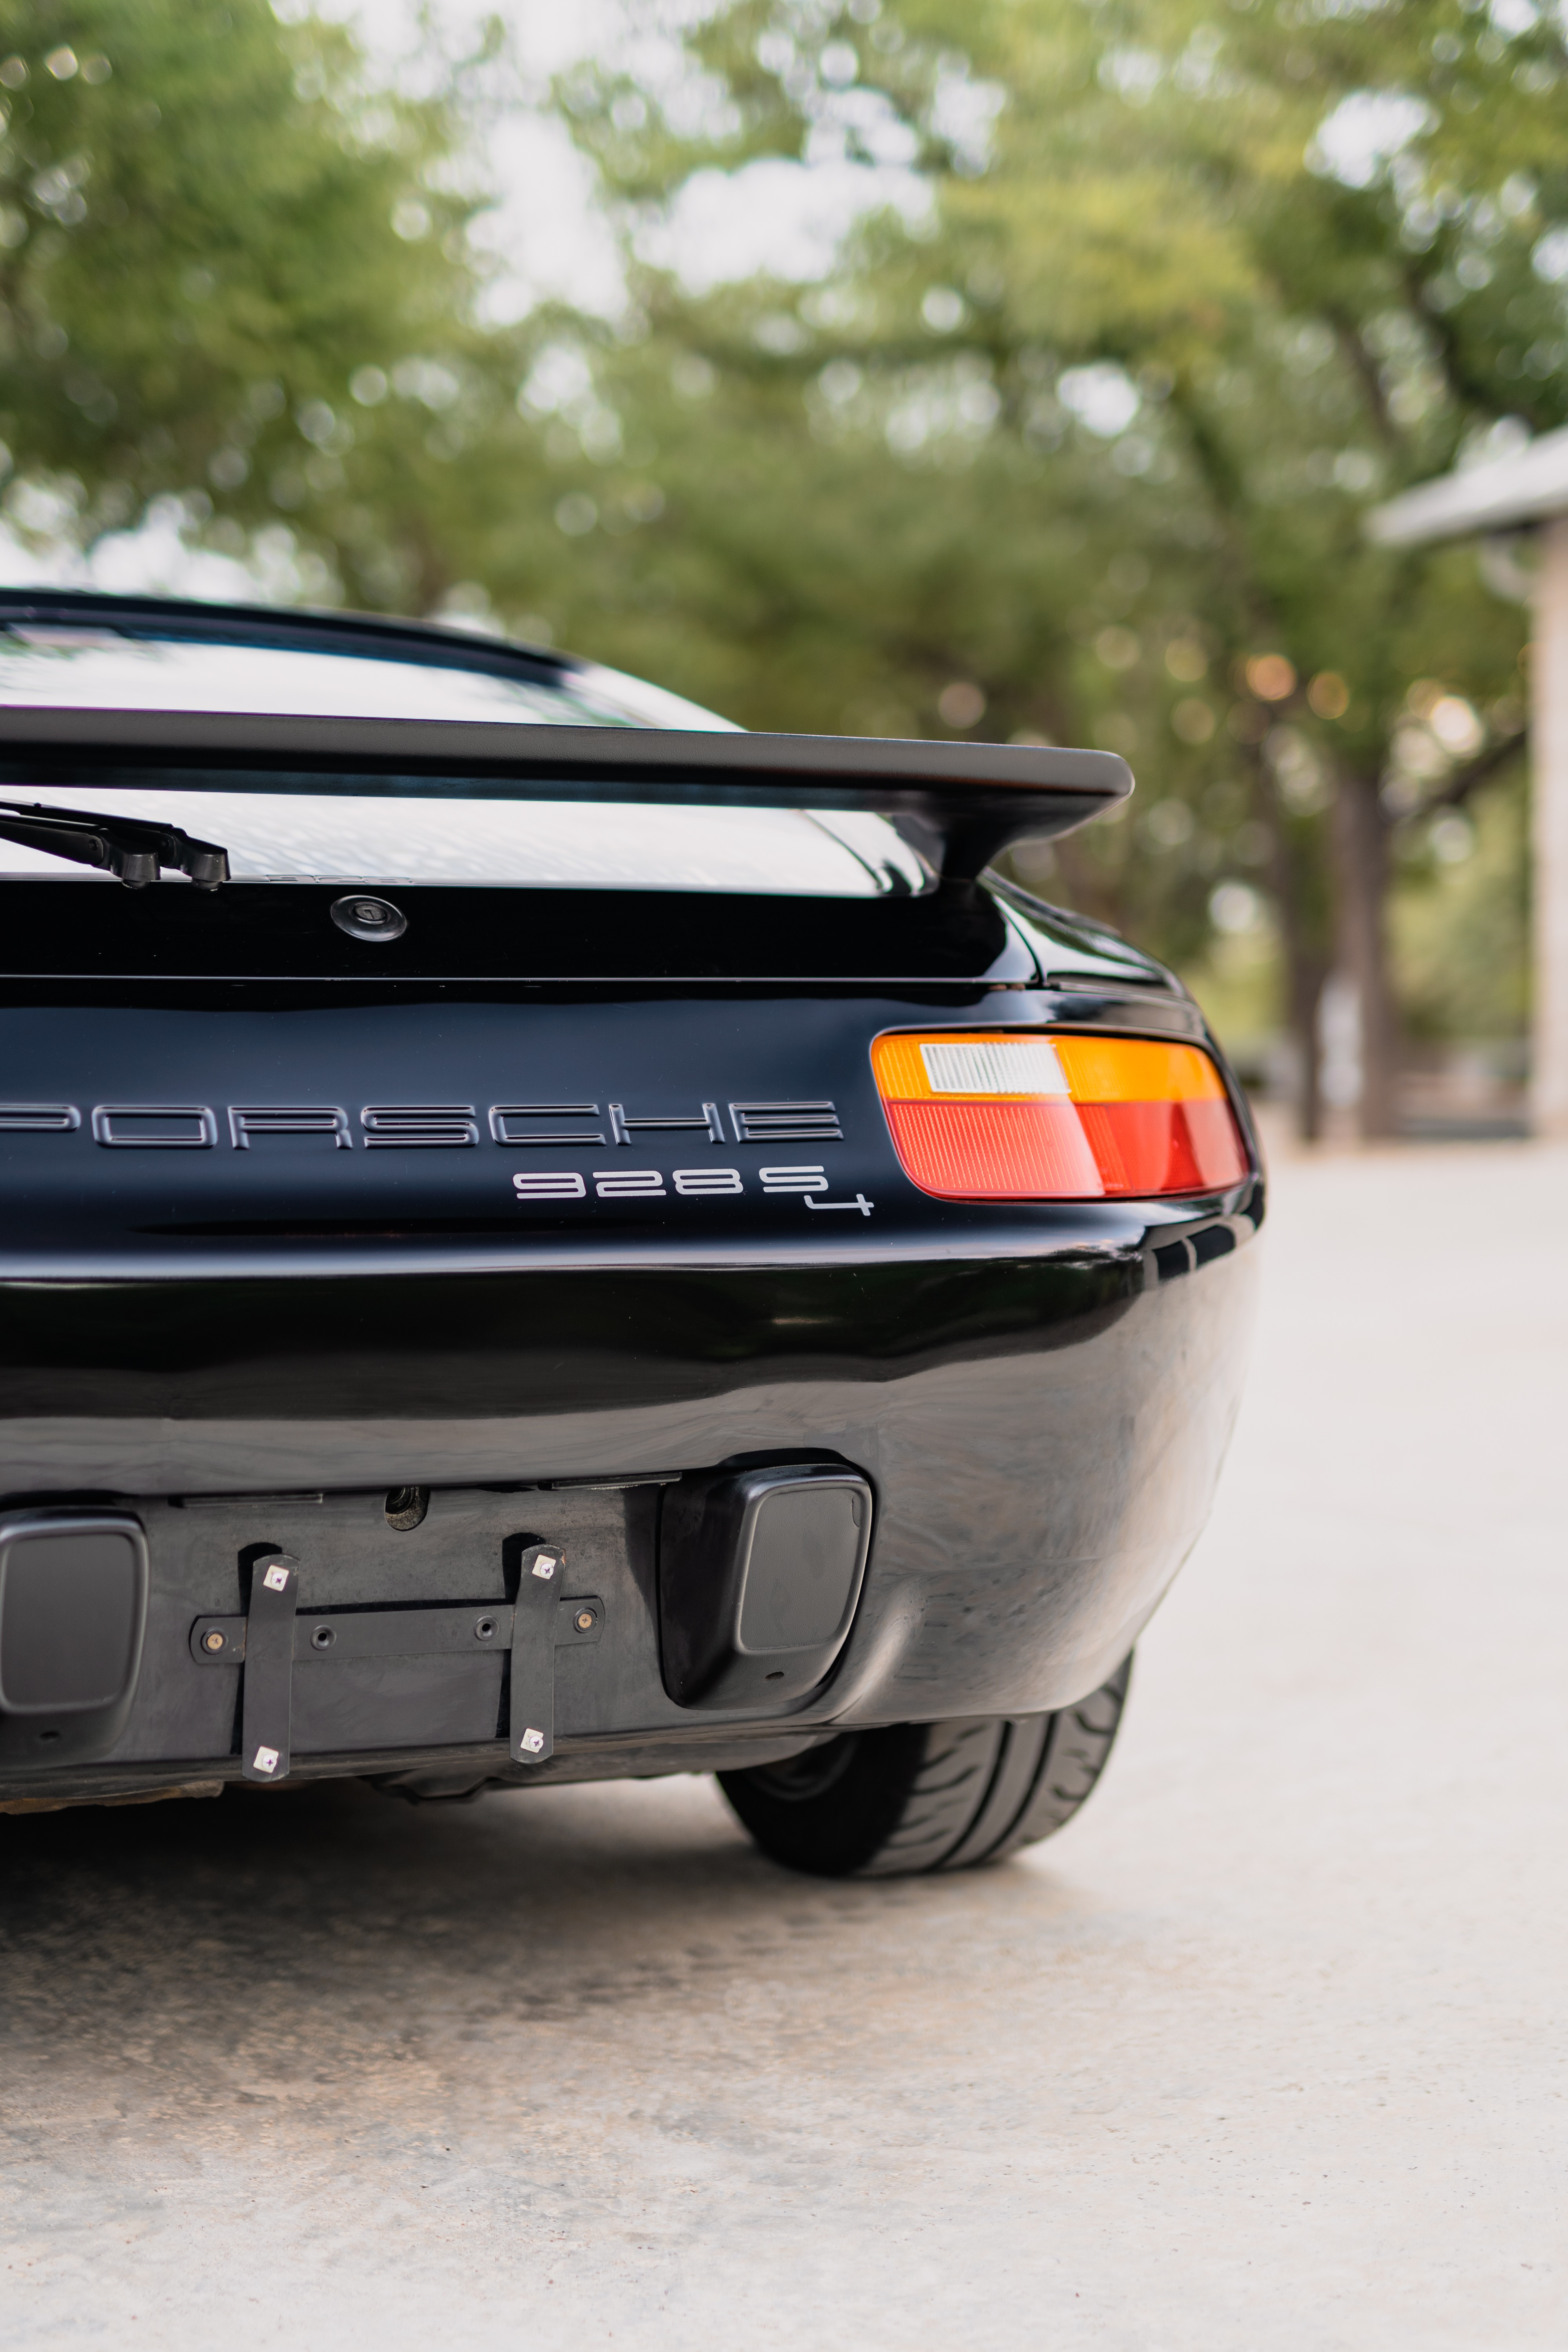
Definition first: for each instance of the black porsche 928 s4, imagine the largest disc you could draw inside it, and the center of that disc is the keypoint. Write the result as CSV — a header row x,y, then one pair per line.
x,y
544,1237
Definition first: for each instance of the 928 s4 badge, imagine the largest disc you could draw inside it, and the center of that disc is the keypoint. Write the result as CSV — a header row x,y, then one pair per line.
x,y
688,1183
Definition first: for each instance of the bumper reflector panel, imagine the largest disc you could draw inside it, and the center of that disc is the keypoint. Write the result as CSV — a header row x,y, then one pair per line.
x,y
1013,1116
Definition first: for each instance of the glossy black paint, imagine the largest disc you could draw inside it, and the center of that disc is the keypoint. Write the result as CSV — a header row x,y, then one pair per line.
x,y
1040,1396
249,1342
70,1203
285,931
1042,1438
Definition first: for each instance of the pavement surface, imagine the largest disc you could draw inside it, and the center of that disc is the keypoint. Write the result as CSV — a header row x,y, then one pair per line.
x,y
1265,2050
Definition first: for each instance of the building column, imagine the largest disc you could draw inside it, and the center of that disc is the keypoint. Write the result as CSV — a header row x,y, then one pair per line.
x,y
1549,821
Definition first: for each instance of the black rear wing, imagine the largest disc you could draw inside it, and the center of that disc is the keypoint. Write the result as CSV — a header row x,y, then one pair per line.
x,y
958,803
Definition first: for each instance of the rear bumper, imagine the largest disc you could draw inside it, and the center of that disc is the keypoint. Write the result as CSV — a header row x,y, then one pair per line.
x,y
1042,1421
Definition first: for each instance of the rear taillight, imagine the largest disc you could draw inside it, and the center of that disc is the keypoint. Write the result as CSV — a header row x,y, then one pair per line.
x,y
1003,1116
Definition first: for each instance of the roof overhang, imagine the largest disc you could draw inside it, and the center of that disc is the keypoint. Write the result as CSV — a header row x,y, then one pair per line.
x,y
1502,495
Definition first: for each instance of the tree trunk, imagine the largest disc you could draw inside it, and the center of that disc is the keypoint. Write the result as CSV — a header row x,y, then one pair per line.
x,y
1306,966
1361,874
1306,973
1296,879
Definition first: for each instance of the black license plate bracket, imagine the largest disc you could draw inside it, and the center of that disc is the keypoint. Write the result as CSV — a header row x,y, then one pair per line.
x,y
277,1635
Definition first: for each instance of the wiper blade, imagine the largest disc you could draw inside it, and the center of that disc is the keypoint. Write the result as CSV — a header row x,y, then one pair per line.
x,y
127,846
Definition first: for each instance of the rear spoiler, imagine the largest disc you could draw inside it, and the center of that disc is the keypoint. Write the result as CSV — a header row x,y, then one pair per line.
x,y
958,803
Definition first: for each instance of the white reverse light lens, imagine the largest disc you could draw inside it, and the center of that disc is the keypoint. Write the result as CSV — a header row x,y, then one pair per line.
x,y
1027,1066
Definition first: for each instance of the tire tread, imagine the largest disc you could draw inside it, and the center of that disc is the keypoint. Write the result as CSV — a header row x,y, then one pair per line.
x,y
920,1799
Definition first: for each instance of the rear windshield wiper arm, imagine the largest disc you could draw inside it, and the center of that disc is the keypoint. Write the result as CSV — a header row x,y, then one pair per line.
x,y
127,846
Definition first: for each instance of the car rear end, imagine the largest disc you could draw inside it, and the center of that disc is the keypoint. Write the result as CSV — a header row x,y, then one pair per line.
x,y
511,1287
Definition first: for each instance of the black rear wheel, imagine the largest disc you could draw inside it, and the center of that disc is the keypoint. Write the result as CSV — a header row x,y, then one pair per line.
x,y
929,1796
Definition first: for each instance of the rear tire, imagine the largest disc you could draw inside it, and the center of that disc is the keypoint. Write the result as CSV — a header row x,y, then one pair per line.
x,y
929,1796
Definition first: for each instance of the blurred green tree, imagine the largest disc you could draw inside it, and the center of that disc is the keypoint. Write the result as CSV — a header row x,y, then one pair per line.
x,y
1082,451
1198,285
232,271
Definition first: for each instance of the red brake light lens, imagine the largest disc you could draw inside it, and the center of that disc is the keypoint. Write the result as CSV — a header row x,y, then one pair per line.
x,y
1013,1115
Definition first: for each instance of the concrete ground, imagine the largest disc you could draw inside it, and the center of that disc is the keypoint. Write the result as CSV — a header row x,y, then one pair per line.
x,y
1265,2050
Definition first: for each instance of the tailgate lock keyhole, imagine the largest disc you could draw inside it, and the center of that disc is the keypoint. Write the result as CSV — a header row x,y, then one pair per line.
x,y
406,1506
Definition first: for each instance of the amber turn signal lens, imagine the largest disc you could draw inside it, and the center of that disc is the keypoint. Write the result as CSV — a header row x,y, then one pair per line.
x,y
1012,1115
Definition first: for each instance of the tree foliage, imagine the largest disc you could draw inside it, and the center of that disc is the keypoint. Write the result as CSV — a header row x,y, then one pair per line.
x,y
1083,453
1207,283
212,232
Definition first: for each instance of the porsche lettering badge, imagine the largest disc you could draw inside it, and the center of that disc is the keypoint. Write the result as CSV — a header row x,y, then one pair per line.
x,y
383,1126
185,1127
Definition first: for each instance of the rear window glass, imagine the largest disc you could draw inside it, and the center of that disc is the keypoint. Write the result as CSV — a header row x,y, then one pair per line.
x,y
362,831
112,669
359,839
